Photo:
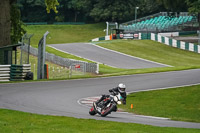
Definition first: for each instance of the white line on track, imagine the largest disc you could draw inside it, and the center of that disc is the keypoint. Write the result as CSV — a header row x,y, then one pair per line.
x,y
111,51
130,55
79,56
162,88
153,117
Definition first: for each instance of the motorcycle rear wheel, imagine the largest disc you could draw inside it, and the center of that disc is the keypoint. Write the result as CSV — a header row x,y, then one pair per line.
x,y
107,110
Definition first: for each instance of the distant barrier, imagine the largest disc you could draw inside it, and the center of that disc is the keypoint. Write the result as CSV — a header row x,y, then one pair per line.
x,y
165,40
14,72
36,23
102,38
69,23
175,43
19,72
89,67
55,23
4,73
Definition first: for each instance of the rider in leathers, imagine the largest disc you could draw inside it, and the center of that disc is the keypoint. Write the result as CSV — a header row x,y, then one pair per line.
x,y
119,89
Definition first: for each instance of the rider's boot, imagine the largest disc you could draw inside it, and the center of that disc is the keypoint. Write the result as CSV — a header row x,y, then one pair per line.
x,y
115,109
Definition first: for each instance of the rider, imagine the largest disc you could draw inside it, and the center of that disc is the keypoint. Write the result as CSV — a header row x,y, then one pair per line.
x,y
119,89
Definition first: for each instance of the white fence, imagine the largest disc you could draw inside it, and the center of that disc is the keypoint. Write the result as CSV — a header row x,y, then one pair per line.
x,y
175,43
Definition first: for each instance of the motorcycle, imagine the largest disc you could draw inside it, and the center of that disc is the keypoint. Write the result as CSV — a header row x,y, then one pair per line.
x,y
107,105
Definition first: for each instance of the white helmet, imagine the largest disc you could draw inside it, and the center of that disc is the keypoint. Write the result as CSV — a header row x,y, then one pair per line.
x,y
121,87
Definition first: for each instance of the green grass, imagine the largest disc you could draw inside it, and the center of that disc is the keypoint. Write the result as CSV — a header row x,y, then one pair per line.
x,y
56,72
65,33
19,122
182,104
151,50
166,103
64,55
155,51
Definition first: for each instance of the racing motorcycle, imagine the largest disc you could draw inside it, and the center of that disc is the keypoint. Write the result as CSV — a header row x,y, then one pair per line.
x,y
106,106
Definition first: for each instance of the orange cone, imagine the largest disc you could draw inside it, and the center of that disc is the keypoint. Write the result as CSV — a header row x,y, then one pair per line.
x,y
111,37
131,106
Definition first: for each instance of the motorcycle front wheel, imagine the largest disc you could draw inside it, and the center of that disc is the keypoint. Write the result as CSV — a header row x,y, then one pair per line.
x,y
92,111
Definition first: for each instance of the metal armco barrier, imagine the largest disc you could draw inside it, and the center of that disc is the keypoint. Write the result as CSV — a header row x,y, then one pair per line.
x,y
90,67
19,72
4,73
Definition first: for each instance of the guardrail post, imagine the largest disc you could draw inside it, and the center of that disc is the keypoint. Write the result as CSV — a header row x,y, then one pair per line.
x,y
41,56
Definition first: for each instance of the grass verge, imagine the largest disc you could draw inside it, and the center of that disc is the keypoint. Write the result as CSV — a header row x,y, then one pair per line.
x,y
150,50
19,122
56,72
65,33
180,104
154,51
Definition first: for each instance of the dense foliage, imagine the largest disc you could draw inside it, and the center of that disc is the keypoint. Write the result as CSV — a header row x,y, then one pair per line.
x,y
51,4
16,25
90,11
99,10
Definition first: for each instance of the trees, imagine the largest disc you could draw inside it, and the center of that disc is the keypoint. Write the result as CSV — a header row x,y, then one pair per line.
x,y
5,20
79,7
148,7
5,23
32,10
113,10
194,7
51,4
174,5
98,10
16,31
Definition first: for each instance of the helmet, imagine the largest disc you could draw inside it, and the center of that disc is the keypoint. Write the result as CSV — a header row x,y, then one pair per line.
x,y
121,87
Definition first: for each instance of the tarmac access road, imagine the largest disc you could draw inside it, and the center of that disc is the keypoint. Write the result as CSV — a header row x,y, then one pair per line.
x,y
105,56
61,97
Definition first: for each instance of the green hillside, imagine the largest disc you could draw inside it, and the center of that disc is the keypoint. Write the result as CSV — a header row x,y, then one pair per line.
x,y
66,33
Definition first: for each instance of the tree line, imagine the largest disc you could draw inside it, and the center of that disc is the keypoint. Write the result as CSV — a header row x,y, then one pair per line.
x,y
90,11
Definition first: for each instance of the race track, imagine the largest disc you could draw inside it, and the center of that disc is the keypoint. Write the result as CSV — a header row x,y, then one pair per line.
x,y
61,97
105,56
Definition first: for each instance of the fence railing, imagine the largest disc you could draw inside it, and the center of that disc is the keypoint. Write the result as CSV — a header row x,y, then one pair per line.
x,y
89,67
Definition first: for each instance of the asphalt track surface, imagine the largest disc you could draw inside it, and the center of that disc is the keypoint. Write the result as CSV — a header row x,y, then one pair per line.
x,y
61,97
105,56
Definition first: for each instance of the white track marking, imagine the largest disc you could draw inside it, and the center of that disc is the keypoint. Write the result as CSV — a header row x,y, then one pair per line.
x,y
130,55
79,56
111,51
162,88
154,117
